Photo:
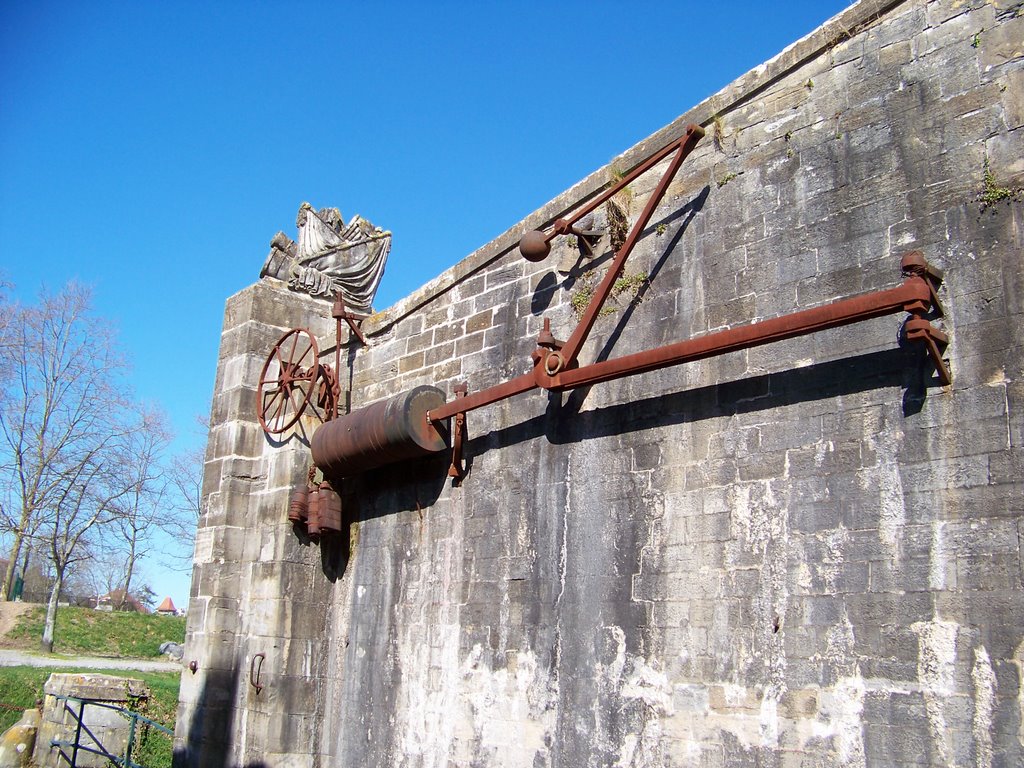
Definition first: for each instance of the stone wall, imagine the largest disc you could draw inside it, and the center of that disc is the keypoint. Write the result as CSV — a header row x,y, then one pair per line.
x,y
255,589
806,553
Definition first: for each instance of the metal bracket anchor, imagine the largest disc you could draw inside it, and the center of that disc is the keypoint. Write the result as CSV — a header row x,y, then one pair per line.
x,y
457,470
254,672
918,328
339,313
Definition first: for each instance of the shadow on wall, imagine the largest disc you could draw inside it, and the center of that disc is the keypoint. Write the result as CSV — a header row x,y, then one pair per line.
x,y
211,731
549,285
413,485
416,485
563,422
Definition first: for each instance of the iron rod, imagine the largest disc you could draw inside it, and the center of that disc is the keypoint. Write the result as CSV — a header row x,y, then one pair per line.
x,y
580,333
693,134
515,386
78,734
839,313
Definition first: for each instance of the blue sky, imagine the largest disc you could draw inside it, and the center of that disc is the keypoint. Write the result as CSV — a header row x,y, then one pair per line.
x,y
152,150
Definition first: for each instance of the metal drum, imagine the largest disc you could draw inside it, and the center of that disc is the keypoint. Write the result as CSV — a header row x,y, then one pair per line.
x,y
383,433
313,514
330,509
298,510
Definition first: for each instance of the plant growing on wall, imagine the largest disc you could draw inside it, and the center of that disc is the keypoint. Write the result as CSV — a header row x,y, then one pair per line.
x,y
993,194
618,223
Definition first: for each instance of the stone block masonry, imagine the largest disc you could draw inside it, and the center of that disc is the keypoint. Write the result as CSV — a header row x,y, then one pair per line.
x,y
80,721
806,553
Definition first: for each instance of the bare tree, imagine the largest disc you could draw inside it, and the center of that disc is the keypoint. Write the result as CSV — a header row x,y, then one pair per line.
x,y
187,478
142,510
96,576
87,499
7,311
186,497
60,422
145,596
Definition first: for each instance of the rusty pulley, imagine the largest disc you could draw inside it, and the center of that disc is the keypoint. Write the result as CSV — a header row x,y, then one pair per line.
x,y
291,379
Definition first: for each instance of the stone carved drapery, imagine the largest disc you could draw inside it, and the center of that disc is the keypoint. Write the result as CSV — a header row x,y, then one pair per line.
x,y
331,256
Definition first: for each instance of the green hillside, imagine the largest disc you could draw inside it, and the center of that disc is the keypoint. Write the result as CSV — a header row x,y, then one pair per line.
x,y
98,633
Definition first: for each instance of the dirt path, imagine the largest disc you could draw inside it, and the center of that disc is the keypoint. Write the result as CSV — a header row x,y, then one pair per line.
x,y
9,613
26,659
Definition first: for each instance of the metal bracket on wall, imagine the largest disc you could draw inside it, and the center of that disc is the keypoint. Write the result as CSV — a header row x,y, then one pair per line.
x,y
339,313
917,327
457,470
254,672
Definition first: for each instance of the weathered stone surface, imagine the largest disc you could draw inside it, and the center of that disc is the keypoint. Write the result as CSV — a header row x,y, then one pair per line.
x,y
806,553
18,742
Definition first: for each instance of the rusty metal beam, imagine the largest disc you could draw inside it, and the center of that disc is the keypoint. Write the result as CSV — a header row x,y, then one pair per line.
x,y
406,425
686,142
579,335
484,397
844,312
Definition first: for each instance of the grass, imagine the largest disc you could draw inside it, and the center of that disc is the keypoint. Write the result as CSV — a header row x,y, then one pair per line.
x,y
99,633
83,631
581,297
630,284
718,133
726,179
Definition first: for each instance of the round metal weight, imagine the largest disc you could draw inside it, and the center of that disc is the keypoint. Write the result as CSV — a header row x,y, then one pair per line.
x,y
330,509
534,246
298,509
313,519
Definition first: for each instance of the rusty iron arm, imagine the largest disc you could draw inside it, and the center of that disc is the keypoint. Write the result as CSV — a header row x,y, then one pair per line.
x,y
488,396
916,295
555,362
683,147
538,241
839,313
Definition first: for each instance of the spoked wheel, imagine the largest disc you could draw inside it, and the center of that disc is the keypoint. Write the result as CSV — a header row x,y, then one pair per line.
x,y
288,381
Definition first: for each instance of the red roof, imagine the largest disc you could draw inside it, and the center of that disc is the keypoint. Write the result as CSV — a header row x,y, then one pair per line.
x,y
167,606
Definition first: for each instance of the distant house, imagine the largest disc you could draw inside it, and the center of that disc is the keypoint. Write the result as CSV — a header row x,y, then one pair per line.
x,y
112,601
166,608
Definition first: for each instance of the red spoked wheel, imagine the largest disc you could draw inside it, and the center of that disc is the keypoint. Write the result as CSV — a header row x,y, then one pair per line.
x,y
288,381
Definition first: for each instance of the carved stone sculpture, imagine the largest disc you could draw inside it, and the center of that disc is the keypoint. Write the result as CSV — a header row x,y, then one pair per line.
x,y
331,256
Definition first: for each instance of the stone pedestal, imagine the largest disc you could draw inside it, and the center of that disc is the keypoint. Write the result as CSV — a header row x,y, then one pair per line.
x,y
102,728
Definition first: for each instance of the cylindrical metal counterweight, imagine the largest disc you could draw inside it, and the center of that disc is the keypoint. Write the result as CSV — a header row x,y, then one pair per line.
x,y
313,514
330,509
383,433
298,509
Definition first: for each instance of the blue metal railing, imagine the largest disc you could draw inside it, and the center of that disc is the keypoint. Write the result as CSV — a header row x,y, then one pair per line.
x,y
76,746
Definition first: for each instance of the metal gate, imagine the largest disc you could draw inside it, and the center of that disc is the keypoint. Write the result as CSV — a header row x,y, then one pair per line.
x,y
86,741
